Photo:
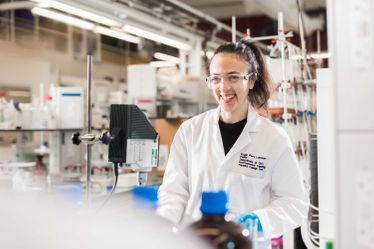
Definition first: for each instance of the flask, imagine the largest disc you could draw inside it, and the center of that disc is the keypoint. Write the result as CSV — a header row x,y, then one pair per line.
x,y
221,233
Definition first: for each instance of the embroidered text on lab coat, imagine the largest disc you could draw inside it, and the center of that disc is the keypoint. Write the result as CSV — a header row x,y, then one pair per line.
x,y
252,162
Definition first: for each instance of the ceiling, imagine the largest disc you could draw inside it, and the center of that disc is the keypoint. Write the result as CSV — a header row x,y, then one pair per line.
x,y
208,20
222,9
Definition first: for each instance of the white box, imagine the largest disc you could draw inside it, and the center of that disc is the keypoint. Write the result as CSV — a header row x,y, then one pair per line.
x,y
70,107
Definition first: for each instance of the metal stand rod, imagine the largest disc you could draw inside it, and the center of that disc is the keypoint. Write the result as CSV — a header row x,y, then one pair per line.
x,y
303,49
284,84
233,27
319,60
89,121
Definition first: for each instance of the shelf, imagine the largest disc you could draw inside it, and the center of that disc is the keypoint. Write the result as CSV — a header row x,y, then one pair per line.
x,y
100,129
170,118
38,130
179,100
280,110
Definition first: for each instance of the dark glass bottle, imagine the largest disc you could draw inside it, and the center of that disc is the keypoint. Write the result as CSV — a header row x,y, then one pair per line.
x,y
213,226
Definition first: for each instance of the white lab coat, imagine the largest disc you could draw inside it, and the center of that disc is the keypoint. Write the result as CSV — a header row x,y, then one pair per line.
x,y
260,173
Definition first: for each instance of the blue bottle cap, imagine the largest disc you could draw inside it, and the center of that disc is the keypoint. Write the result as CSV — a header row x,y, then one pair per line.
x,y
214,202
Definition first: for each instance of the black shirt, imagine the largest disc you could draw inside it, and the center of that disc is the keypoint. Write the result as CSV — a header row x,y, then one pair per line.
x,y
230,133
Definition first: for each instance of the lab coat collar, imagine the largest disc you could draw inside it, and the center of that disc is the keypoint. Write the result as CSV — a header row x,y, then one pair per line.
x,y
253,119
252,126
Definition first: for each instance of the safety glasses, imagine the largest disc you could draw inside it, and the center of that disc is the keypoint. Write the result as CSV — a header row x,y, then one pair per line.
x,y
234,79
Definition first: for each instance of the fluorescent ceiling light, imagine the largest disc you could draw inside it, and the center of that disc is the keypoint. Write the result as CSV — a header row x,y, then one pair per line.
x,y
156,37
62,18
162,64
117,34
166,57
78,12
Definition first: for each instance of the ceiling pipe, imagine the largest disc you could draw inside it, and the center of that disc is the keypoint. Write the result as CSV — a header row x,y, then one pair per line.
x,y
16,5
204,16
212,20
290,10
135,17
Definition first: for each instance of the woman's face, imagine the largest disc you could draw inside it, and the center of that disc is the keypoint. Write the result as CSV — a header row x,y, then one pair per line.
x,y
231,96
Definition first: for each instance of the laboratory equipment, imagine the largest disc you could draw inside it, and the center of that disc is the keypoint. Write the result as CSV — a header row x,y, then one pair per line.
x,y
70,107
213,226
132,141
142,87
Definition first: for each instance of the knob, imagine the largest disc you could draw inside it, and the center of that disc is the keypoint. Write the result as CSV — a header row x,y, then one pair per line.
x,y
75,138
106,138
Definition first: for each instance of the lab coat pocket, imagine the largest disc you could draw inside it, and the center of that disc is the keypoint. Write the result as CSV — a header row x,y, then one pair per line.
x,y
247,193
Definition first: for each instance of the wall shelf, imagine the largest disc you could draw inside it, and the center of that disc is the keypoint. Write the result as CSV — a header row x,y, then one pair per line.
x,y
38,130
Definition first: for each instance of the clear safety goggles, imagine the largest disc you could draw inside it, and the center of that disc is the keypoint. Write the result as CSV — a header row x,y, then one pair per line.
x,y
234,79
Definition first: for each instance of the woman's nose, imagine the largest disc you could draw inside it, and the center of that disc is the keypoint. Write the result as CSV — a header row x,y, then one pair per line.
x,y
224,84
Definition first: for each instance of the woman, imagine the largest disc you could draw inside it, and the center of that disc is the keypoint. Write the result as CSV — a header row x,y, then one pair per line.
x,y
235,149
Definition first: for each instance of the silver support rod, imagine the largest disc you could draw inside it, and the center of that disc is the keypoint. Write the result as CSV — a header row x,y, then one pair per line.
x,y
233,28
303,48
284,85
319,60
89,125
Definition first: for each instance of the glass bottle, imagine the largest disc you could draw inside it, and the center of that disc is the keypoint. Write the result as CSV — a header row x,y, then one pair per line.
x,y
221,233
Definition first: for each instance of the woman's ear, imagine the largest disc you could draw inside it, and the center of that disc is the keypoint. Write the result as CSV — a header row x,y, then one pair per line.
x,y
251,83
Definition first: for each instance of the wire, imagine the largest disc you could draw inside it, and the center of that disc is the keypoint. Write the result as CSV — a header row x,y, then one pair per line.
x,y
314,233
314,238
308,239
321,210
114,185
115,166
313,207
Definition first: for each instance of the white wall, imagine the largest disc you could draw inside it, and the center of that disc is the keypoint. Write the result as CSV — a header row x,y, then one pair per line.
x,y
326,155
22,71
28,67
351,43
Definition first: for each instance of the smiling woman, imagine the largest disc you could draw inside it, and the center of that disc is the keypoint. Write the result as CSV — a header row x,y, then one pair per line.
x,y
233,98
235,149
245,59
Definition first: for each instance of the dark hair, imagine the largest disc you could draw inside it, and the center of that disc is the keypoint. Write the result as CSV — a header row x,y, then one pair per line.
x,y
251,53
